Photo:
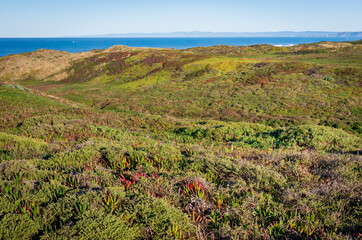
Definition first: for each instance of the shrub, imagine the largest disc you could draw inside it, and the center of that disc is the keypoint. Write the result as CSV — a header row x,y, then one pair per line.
x,y
155,216
16,226
319,138
16,147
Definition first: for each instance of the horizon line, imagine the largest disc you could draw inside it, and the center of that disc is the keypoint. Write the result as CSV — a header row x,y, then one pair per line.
x,y
187,32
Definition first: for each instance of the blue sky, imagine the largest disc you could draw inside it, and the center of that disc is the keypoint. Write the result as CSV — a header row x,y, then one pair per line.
x,y
46,18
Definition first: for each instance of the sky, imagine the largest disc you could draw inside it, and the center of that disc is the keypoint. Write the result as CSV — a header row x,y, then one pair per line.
x,y
48,18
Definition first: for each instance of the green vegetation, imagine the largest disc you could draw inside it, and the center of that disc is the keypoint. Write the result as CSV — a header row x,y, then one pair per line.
x,y
255,142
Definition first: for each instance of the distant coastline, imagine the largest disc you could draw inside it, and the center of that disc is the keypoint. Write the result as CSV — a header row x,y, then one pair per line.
x,y
198,34
83,44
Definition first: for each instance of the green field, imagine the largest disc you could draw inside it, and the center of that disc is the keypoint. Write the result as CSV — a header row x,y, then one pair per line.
x,y
256,142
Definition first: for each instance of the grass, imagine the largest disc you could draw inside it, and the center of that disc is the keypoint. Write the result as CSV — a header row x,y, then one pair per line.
x,y
207,143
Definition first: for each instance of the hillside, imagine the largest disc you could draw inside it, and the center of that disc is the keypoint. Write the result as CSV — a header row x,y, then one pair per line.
x,y
256,142
278,86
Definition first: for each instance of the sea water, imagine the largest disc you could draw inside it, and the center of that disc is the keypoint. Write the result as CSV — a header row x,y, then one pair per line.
x,y
20,45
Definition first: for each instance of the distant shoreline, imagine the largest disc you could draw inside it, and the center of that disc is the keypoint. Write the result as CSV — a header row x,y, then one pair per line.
x,y
10,46
199,34
236,34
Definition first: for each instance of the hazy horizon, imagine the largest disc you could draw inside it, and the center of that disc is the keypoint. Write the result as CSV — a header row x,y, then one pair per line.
x,y
206,33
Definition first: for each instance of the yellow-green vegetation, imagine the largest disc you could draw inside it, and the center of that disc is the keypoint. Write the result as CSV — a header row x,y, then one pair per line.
x,y
255,142
316,84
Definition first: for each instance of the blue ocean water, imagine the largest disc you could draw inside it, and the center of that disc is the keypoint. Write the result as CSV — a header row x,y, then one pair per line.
x,y
19,45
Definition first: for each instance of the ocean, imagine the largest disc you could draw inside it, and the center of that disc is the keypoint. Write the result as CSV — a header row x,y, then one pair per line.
x,y
20,45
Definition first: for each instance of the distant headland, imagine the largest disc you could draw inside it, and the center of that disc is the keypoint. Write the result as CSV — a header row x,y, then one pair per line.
x,y
235,34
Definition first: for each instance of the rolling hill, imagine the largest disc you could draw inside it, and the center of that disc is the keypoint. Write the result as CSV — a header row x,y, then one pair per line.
x,y
256,142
